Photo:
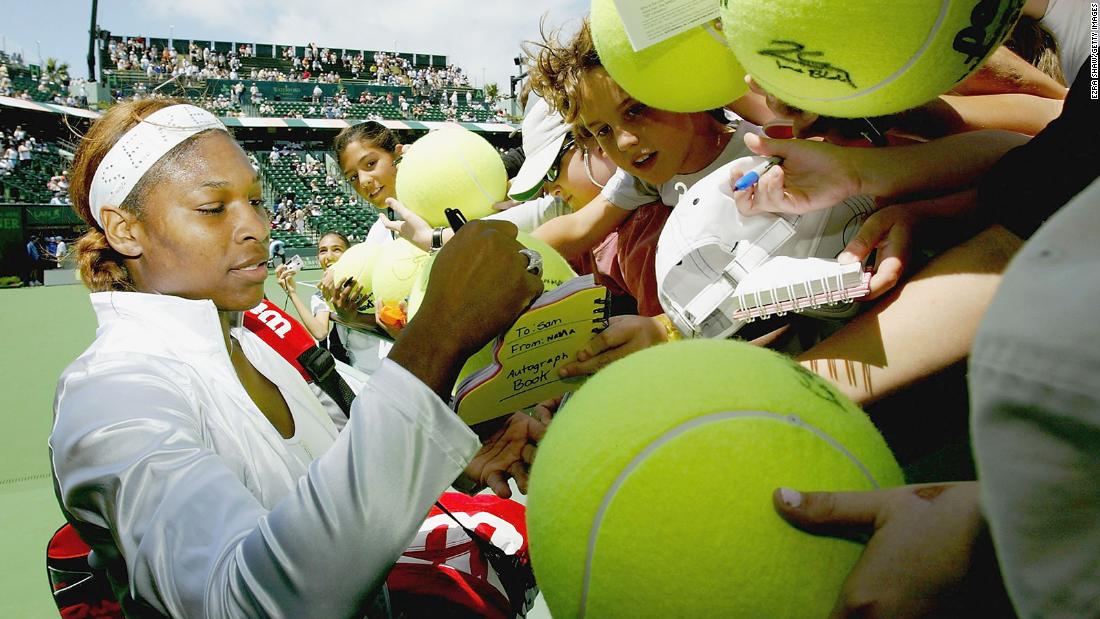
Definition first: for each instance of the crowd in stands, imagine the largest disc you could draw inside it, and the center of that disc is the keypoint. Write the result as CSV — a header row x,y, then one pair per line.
x,y
393,70
200,62
321,65
56,87
313,191
439,94
17,147
28,167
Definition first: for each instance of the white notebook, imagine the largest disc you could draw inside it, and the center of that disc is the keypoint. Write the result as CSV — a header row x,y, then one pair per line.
x,y
779,285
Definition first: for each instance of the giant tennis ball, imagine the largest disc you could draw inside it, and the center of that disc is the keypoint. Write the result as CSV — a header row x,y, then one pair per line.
x,y
690,72
555,272
651,493
357,264
395,271
454,168
865,58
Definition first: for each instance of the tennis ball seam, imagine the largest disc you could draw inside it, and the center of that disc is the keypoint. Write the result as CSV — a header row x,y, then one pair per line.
x,y
675,432
717,36
457,152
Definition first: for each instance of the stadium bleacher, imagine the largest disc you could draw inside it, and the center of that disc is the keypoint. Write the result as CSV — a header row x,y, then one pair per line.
x,y
356,85
27,182
339,209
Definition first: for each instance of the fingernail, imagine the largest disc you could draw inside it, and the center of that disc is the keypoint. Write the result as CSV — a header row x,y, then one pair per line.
x,y
792,498
564,373
846,257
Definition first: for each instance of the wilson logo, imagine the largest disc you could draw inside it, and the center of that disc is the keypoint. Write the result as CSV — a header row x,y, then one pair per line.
x,y
273,319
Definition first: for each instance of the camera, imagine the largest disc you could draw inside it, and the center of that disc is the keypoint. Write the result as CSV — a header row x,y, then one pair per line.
x,y
294,264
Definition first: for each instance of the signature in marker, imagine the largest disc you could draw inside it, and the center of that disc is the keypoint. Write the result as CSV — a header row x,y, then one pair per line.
x,y
793,56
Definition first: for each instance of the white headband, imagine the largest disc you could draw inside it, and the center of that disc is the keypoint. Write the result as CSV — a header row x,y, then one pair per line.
x,y
141,147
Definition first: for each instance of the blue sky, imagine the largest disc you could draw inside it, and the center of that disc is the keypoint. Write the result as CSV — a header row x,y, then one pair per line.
x,y
478,35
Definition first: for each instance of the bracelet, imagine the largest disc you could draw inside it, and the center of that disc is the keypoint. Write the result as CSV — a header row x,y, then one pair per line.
x,y
437,240
671,332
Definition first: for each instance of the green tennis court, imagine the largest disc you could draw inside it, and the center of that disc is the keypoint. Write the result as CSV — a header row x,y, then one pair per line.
x,y
48,328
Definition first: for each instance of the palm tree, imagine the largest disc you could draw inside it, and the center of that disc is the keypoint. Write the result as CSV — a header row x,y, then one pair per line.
x,y
57,72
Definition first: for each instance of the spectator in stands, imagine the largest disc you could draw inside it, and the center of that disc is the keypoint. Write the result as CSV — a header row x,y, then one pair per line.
x,y
25,152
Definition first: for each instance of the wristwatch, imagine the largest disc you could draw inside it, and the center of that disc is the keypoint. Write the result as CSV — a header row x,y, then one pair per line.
x,y
437,240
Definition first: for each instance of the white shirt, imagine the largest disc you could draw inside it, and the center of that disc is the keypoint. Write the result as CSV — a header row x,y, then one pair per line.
x,y
182,485
366,351
531,214
1069,21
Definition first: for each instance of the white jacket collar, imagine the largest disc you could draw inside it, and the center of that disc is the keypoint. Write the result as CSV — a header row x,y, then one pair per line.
x,y
192,325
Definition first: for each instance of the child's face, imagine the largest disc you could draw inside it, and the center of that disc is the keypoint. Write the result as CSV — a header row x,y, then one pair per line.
x,y
370,171
329,250
647,143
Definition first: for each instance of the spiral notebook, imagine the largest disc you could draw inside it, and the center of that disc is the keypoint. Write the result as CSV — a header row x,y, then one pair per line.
x,y
778,285
527,356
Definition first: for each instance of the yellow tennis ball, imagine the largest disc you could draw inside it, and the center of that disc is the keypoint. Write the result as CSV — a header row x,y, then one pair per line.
x,y
420,286
357,264
395,271
867,58
690,72
555,269
651,493
451,168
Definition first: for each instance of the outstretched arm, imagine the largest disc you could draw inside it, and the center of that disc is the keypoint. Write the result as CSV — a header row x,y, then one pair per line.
x,y
578,232
816,175
317,324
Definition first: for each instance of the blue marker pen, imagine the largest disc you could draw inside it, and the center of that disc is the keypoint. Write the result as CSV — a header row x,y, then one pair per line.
x,y
752,176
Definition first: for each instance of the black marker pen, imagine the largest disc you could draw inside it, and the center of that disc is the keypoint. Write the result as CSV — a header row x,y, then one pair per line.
x,y
455,218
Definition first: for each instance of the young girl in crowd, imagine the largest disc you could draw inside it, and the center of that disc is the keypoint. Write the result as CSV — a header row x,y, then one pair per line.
x,y
363,350
192,458
361,346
